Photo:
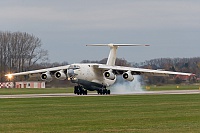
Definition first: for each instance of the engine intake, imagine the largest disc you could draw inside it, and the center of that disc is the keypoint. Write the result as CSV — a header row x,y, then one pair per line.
x,y
46,76
128,76
109,75
60,75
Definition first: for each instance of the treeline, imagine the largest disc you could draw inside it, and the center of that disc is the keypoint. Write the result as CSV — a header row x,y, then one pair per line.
x,y
188,65
19,52
191,65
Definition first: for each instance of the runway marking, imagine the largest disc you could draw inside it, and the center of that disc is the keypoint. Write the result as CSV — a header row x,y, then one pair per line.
x,y
95,94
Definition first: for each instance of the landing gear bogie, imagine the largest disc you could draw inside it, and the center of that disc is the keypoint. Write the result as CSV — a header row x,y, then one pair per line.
x,y
79,90
103,92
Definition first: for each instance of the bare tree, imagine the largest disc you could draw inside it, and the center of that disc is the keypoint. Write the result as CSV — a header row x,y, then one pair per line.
x,y
19,51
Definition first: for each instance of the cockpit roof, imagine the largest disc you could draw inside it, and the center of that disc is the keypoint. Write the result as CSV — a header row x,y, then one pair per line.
x,y
74,66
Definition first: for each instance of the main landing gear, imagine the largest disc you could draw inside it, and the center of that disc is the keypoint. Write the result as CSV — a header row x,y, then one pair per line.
x,y
79,90
103,92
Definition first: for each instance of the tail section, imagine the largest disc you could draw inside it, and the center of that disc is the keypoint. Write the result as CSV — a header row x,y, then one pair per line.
x,y
113,51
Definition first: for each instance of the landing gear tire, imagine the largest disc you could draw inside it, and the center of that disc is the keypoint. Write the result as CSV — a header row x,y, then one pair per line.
x,y
100,91
76,90
105,91
85,92
108,92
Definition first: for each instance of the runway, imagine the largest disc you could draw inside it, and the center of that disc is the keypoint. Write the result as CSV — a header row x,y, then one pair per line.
x,y
95,94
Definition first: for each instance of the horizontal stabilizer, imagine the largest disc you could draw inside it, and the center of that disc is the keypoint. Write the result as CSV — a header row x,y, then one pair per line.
x,y
111,44
113,50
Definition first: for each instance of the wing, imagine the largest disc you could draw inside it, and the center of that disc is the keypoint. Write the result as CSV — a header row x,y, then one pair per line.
x,y
51,70
141,71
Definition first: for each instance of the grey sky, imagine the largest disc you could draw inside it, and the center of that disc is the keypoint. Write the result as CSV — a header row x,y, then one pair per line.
x,y
172,27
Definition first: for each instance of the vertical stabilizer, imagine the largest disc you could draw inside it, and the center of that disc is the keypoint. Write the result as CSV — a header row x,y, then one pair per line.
x,y
113,51
112,55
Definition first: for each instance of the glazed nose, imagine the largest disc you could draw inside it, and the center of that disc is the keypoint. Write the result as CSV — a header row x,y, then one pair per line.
x,y
70,73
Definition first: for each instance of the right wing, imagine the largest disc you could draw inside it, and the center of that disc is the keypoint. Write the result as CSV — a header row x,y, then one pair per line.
x,y
40,71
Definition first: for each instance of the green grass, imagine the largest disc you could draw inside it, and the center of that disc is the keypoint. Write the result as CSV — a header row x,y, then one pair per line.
x,y
172,87
138,114
13,91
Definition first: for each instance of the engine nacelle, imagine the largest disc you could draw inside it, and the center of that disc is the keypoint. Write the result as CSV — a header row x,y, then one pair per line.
x,y
46,76
128,76
109,75
60,75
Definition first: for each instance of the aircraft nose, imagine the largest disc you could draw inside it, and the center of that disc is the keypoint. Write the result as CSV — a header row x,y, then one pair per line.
x,y
70,73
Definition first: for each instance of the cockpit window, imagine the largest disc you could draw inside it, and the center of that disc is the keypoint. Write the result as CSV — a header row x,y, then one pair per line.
x,y
74,67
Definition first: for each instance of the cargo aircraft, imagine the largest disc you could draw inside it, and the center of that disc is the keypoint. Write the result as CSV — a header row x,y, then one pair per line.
x,y
95,77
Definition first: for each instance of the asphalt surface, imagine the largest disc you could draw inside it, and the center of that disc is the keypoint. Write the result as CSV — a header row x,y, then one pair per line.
x,y
95,94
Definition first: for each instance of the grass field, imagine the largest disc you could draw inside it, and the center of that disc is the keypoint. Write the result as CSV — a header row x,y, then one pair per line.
x,y
13,91
138,114
172,87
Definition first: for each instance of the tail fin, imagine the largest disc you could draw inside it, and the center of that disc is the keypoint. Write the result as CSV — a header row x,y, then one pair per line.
x,y
113,51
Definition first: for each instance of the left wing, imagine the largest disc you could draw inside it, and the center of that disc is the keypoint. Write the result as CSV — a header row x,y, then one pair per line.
x,y
141,71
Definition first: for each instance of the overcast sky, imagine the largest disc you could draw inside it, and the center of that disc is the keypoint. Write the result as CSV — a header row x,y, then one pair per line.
x,y
171,27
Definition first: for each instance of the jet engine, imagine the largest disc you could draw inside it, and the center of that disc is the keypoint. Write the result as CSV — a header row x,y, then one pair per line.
x,y
109,75
60,75
46,76
128,76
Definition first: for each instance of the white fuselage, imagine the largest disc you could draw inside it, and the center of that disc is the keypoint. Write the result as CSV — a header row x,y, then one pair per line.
x,y
89,73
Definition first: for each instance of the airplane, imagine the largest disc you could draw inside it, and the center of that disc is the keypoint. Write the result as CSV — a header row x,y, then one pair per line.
x,y
93,76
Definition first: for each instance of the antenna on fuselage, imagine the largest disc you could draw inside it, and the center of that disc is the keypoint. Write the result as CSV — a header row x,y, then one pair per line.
x,y
113,51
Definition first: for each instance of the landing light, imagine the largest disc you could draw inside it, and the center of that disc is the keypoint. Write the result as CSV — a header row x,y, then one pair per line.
x,y
9,76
